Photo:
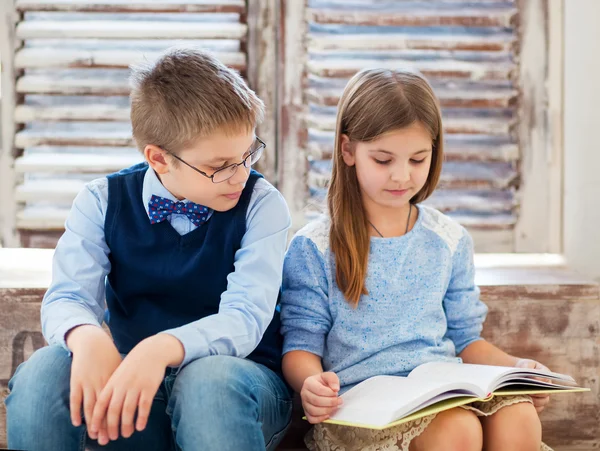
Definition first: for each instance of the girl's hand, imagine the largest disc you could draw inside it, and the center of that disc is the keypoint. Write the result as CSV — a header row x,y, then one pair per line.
x,y
320,396
539,401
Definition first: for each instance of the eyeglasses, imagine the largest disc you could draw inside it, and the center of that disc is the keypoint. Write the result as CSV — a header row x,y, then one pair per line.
x,y
224,174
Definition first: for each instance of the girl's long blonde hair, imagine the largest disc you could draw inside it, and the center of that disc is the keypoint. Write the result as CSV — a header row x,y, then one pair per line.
x,y
374,102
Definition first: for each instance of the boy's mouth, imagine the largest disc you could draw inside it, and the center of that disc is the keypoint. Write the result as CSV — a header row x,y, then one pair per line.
x,y
235,195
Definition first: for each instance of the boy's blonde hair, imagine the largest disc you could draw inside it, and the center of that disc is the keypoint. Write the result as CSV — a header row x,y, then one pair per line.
x,y
374,102
188,94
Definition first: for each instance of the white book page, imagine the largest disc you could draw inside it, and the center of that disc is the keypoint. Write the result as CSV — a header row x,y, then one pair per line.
x,y
487,377
383,399
484,376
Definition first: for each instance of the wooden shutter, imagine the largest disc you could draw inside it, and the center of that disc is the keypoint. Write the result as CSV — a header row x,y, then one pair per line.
x,y
71,81
469,52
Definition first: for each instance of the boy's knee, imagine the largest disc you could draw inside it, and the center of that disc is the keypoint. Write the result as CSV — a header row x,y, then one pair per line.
x,y
215,379
48,370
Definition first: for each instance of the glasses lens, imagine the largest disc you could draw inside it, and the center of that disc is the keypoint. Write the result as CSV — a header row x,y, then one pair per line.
x,y
255,156
224,174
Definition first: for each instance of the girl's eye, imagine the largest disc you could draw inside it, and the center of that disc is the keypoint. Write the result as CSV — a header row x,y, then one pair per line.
x,y
417,161
381,161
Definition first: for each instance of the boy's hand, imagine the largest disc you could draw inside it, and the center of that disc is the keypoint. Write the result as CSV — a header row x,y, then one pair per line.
x,y
133,386
542,400
320,396
95,358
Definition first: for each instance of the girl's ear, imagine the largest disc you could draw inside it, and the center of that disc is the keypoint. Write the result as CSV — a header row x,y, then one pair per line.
x,y
347,150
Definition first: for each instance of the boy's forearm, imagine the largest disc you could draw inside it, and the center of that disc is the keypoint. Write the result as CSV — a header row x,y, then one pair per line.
x,y
298,365
484,353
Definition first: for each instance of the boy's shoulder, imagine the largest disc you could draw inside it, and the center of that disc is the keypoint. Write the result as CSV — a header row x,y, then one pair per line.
x,y
317,231
446,228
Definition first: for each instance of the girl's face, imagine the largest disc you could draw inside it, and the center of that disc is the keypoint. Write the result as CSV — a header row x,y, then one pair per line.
x,y
393,168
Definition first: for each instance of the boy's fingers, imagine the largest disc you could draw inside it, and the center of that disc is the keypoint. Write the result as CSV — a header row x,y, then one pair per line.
x,y
113,414
75,403
129,408
99,413
144,406
89,400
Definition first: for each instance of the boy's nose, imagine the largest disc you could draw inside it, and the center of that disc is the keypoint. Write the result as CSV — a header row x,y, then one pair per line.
x,y
241,175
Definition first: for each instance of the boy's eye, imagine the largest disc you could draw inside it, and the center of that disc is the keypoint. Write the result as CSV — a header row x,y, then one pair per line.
x,y
417,161
218,167
381,161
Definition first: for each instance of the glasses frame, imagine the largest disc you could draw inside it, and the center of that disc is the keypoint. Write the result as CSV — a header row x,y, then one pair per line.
x,y
246,162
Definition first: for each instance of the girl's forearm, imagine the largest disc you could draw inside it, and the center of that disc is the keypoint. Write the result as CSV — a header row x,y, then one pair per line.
x,y
298,365
485,353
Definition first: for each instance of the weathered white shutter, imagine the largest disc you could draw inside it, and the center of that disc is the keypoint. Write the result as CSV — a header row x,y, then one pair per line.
x,y
467,49
72,105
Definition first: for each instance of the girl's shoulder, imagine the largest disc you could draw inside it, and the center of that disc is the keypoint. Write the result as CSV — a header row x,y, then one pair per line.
x,y
443,226
316,231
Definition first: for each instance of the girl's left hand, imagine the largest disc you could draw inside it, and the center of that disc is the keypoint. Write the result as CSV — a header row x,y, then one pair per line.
x,y
539,401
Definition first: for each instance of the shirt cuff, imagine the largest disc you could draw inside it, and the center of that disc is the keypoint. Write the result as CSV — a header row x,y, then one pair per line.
x,y
195,346
65,328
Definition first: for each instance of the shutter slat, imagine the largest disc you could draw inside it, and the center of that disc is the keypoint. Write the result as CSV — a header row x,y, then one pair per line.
x,y
457,16
89,112
120,6
75,163
76,137
339,67
73,85
449,97
121,29
449,200
53,190
497,42
42,218
468,124
30,58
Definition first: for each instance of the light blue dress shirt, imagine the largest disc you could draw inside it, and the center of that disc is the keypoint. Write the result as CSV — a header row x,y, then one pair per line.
x,y
77,293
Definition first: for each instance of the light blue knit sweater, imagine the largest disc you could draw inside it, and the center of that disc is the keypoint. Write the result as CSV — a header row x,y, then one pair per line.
x,y
422,304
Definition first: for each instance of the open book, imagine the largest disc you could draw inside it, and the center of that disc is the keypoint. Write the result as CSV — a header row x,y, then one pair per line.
x,y
384,401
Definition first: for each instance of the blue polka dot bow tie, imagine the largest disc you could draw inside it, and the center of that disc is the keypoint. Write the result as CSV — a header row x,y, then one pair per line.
x,y
160,209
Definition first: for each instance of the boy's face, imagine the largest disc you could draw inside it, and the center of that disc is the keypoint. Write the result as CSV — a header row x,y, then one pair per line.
x,y
208,154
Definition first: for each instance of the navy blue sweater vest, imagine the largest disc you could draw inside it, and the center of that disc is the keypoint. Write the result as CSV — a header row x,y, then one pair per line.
x,y
161,280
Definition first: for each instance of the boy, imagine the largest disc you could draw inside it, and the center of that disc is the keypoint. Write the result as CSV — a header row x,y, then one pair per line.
x,y
187,248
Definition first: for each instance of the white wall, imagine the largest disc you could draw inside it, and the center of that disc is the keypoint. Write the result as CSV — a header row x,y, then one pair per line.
x,y
582,136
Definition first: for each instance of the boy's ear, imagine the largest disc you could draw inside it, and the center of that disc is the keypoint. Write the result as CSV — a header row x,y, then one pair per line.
x,y
347,150
156,158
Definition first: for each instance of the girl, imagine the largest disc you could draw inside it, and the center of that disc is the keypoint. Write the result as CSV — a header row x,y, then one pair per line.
x,y
384,284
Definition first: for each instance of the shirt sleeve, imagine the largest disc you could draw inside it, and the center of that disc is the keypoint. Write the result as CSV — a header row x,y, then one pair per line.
x,y
465,312
305,314
76,295
248,305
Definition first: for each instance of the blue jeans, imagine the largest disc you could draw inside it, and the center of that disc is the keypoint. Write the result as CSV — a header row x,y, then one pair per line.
x,y
214,403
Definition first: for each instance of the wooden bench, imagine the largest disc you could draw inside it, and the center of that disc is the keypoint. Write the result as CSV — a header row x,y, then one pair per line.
x,y
546,313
